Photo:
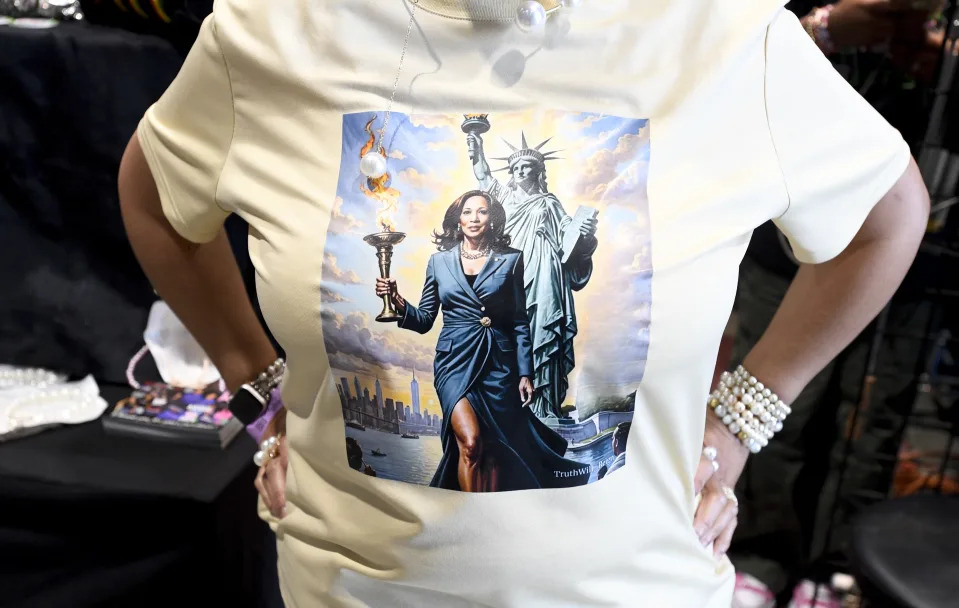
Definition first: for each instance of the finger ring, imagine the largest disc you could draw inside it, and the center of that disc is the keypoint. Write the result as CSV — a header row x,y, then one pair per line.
x,y
731,495
715,465
710,453
268,451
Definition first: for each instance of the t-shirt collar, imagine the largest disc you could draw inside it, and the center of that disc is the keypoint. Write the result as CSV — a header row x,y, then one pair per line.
x,y
472,10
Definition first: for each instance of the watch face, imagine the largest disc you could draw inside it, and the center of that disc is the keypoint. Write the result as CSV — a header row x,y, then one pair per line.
x,y
245,405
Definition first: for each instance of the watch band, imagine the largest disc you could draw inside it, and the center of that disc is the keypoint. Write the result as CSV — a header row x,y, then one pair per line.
x,y
251,399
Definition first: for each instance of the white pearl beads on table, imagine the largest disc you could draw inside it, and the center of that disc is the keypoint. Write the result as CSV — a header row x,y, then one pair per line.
x,y
11,377
26,406
373,165
530,16
751,411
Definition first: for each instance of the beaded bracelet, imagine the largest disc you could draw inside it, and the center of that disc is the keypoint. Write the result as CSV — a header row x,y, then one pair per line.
x,y
252,398
751,411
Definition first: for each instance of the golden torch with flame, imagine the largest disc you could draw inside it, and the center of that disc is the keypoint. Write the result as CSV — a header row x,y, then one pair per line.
x,y
379,190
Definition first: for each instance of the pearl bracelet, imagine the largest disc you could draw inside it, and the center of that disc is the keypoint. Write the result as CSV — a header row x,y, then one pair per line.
x,y
269,378
751,411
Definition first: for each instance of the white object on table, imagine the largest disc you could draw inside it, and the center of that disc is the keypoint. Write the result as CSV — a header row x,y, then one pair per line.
x,y
24,407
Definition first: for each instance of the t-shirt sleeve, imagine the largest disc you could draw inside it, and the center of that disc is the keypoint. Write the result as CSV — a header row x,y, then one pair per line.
x,y
838,156
185,137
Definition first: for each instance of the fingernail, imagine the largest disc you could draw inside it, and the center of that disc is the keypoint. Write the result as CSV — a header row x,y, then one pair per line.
x,y
283,511
705,540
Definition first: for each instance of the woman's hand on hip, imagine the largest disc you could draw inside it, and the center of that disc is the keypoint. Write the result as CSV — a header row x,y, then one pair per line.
x,y
720,465
271,478
526,390
730,454
716,515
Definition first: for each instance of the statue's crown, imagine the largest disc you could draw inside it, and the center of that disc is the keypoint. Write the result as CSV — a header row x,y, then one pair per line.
x,y
525,152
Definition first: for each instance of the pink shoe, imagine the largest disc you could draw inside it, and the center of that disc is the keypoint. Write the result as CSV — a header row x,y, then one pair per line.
x,y
806,595
750,592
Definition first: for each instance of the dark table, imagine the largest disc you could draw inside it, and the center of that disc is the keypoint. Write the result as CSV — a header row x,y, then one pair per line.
x,y
88,519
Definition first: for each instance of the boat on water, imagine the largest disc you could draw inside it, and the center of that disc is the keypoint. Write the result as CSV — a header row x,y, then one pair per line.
x,y
355,425
377,452
409,436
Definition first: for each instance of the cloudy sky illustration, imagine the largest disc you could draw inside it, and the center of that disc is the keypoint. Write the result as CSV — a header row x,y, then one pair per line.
x,y
603,164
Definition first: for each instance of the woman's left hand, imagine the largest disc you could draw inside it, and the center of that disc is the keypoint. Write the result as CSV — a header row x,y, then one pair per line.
x,y
526,390
716,516
720,465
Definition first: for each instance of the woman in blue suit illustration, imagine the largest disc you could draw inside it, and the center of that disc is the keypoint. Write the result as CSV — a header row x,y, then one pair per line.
x,y
491,440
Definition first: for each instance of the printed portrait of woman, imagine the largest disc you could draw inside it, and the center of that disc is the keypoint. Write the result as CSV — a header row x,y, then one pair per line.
x,y
491,439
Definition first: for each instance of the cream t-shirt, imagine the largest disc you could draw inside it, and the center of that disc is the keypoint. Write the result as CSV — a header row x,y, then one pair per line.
x,y
678,125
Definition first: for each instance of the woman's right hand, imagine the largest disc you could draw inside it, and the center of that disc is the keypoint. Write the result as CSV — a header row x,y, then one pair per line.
x,y
387,287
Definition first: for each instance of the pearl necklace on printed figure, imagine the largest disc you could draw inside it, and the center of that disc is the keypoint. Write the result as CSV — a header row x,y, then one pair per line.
x,y
474,255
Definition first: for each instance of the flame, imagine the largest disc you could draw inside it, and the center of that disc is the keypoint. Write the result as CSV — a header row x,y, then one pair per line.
x,y
378,189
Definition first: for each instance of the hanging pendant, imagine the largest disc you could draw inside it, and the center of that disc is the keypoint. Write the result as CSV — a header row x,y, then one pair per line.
x,y
373,165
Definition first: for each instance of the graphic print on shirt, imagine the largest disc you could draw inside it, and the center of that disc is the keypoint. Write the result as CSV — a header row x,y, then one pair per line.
x,y
505,350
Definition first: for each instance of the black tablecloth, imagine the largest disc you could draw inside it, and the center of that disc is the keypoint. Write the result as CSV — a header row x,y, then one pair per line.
x,y
74,298
88,519
83,458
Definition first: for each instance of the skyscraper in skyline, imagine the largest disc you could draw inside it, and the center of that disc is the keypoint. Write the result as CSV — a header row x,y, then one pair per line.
x,y
415,393
379,398
346,387
356,383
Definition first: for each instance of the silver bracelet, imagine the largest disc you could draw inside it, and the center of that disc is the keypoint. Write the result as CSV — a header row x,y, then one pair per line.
x,y
269,378
252,398
750,410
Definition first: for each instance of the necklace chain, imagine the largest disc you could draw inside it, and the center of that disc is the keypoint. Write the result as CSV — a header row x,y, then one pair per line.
x,y
474,256
399,68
